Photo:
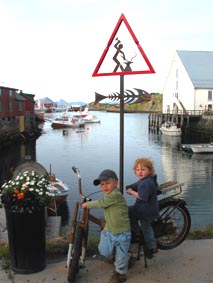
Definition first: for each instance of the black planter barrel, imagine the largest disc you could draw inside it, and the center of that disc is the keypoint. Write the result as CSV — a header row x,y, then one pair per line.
x,y
26,235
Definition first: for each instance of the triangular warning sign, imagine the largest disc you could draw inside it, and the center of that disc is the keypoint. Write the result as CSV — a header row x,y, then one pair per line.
x,y
121,57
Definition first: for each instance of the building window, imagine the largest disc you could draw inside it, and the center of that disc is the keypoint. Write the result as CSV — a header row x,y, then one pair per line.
x,y
210,95
176,94
0,107
20,106
11,107
10,93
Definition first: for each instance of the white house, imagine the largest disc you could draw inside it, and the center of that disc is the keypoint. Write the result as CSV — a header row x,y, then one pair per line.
x,y
189,85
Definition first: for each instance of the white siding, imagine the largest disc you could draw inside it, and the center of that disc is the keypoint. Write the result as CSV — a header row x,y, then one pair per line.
x,y
178,85
201,99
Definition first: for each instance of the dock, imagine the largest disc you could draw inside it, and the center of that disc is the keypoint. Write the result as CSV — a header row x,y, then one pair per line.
x,y
196,120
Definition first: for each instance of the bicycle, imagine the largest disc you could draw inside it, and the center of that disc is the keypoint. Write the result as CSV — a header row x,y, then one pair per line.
x,y
171,228
79,233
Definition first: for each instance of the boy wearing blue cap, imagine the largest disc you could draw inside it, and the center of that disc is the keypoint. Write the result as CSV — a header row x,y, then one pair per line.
x,y
116,235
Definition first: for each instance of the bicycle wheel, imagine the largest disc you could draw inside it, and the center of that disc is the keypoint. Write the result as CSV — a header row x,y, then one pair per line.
x,y
173,225
74,265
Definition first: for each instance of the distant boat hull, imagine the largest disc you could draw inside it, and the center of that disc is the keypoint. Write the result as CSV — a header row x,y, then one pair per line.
x,y
198,148
91,119
67,124
170,130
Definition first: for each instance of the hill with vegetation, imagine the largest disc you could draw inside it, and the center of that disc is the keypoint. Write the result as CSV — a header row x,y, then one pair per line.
x,y
154,105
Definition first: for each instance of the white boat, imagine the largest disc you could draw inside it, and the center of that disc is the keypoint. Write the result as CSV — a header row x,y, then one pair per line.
x,y
198,148
173,142
170,129
59,192
68,123
77,120
91,119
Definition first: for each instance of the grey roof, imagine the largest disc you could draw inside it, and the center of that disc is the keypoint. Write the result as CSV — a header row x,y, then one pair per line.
x,y
20,97
199,66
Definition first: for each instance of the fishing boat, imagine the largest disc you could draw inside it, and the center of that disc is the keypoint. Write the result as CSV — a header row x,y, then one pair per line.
x,y
69,122
59,192
170,129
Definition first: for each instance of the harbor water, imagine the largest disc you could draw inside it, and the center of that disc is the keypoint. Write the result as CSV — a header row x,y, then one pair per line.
x,y
97,147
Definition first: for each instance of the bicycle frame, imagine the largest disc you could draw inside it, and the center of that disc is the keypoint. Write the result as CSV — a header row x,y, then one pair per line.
x,y
81,218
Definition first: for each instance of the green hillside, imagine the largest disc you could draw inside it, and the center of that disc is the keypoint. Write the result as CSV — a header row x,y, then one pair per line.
x,y
154,105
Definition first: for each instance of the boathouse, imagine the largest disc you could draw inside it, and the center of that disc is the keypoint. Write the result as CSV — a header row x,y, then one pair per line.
x,y
189,84
188,90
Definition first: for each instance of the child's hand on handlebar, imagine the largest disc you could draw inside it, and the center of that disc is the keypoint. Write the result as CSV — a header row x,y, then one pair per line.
x,y
84,204
129,191
133,193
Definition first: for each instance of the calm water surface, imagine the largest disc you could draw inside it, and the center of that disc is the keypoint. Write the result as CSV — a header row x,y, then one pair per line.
x,y
97,148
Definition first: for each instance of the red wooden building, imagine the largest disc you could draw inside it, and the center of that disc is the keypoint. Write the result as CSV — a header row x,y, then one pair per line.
x,y
16,110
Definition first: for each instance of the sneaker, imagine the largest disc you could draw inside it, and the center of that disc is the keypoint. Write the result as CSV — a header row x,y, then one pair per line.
x,y
117,278
110,259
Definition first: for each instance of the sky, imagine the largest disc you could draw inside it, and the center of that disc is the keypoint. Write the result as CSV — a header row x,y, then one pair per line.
x,y
50,48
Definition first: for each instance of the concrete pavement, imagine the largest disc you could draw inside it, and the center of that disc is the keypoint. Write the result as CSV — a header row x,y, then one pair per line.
x,y
192,261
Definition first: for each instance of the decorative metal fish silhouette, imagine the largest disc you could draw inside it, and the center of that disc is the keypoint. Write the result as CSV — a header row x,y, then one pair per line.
x,y
130,96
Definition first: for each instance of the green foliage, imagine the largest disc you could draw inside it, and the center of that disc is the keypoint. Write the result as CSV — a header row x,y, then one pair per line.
x,y
4,251
56,247
92,246
205,233
154,105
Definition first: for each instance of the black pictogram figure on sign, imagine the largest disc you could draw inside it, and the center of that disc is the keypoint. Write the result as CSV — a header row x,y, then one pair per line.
x,y
120,53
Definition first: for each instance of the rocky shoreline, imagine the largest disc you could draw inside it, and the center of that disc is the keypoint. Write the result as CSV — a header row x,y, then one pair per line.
x,y
8,139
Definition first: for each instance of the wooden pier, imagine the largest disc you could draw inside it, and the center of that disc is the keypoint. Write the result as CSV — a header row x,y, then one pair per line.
x,y
183,120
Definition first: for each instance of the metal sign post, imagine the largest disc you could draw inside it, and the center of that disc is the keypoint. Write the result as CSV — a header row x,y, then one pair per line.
x,y
122,65
121,173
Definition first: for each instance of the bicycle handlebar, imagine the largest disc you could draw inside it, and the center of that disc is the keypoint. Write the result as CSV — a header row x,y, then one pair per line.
x,y
77,171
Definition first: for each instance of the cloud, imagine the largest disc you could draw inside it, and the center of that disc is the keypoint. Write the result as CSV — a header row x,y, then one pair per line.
x,y
51,47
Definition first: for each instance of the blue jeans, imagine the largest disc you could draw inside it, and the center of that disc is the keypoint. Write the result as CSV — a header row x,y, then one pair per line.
x,y
118,242
146,225
148,233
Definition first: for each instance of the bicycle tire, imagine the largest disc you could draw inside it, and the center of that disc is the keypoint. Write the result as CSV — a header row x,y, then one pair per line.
x,y
74,265
178,220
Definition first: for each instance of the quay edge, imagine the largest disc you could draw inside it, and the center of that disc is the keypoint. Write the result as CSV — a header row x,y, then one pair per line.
x,y
194,121
8,139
